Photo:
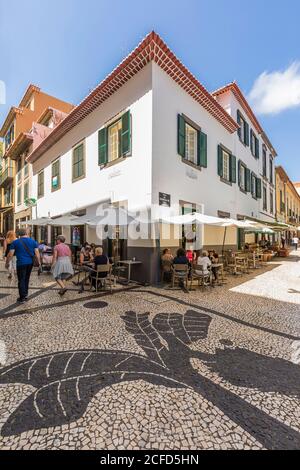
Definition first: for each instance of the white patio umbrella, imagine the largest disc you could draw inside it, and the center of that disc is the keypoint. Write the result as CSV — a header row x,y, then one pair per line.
x,y
40,221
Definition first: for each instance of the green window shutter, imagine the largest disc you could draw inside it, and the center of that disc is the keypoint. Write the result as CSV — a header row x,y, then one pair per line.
x,y
102,146
239,173
202,149
251,141
232,168
256,148
239,122
248,180
258,188
247,134
220,161
181,136
126,133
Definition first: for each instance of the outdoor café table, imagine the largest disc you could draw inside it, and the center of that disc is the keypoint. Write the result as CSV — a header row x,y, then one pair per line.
x,y
129,263
85,268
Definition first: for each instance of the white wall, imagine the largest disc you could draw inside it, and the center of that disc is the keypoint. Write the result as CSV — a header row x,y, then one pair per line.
x,y
246,206
128,180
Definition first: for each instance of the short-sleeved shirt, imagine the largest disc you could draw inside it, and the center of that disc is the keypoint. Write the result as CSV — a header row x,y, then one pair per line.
x,y
24,257
62,250
180,260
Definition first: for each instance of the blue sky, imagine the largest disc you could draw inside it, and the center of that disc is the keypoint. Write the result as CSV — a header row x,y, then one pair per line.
x,y
68,46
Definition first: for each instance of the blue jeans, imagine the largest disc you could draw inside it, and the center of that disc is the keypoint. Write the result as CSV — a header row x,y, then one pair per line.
x,y
23,273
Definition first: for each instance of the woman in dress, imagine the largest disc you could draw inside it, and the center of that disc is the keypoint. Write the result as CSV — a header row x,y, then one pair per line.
x,y
10,237
62,268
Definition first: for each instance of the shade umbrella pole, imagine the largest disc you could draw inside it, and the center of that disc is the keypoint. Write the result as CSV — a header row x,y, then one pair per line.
x,y
224,238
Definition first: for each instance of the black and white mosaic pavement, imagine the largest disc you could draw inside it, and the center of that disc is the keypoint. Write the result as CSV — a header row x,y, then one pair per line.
x,y
152,368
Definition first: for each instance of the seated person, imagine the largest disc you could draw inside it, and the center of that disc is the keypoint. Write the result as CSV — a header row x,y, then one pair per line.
x,y
85,255
100,259
167,255
204,261
215,260
180,257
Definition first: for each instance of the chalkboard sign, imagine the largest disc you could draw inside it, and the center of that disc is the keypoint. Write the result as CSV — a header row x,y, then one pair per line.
x,y
165,199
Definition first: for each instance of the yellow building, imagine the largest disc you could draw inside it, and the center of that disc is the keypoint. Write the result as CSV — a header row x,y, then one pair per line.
x,y
287,201
15,174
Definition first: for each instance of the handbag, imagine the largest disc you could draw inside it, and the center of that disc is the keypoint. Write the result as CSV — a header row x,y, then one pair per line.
x,y
35,261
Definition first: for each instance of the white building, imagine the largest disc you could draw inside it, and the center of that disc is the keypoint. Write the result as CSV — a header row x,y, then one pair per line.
x,y
150,131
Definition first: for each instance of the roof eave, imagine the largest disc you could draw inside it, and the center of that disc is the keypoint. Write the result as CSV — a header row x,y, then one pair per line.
x,y
152,48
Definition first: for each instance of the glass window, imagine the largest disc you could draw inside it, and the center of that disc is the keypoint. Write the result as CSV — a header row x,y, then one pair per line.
x,y
271,169
264,161
41,184
26,191
55,178
10,136
242,177
265,206
78,162
253,185
19,196
26,169
226,166
271,202
114,141
191,144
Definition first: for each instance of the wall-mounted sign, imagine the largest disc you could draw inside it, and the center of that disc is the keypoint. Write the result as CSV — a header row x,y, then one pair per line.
x,y
164,199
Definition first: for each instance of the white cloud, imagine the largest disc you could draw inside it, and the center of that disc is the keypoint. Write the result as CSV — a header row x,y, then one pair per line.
x,y
276,91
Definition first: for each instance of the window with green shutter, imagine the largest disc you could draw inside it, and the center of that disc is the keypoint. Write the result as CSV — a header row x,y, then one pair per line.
x,y
55,176
181,135
102,146
248,180
78,162
254,144
258,188
40,188
226,165
232,169
243,130
126,133
191,142
114,141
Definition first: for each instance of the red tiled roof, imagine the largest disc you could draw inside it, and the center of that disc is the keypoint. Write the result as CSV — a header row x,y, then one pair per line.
x,y
152,48
244,103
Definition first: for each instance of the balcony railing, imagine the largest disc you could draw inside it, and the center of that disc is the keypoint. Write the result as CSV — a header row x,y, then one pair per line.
x,y
6,176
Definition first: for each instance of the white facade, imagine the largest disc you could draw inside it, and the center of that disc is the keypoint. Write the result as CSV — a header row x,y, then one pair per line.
x,y
154,165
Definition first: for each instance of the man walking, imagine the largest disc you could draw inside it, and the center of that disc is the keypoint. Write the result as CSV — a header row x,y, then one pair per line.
x,y
295,242
25,249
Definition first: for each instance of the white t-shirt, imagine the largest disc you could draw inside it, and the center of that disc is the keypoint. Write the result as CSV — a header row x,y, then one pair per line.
x,y
296,240
204,262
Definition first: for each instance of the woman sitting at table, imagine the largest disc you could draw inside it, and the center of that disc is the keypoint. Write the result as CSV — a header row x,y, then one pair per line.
x,y
85,255
204,261
100,259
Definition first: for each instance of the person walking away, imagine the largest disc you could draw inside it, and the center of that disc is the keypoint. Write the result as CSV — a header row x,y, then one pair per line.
x,y
25,249
62,268
283,242
295,242
10,237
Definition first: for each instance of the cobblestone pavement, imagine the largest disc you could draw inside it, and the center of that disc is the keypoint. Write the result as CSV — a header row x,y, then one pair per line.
x,y
153,368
